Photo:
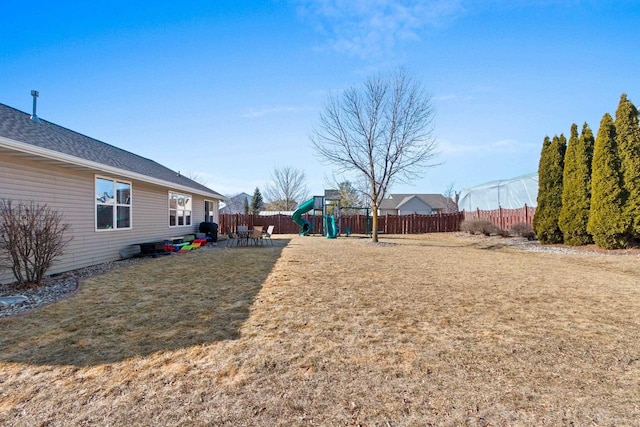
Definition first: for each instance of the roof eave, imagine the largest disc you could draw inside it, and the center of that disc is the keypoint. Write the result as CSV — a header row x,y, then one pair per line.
x,y
95,166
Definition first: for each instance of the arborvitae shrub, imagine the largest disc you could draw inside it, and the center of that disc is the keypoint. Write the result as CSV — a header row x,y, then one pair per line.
x,y
576,193
607,221
550,171
628,140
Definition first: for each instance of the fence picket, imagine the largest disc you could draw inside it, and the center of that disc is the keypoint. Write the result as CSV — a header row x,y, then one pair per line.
x,y
503,218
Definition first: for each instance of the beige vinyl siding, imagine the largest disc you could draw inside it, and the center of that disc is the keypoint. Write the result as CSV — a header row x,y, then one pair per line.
x,y
198,211
72,192
415,205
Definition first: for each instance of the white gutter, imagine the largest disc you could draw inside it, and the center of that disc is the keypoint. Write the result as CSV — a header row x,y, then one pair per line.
x,y
67,158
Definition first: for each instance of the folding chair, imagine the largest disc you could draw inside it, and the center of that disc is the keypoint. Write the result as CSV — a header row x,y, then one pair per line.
x,y
231,238
243,234
268,233
256,234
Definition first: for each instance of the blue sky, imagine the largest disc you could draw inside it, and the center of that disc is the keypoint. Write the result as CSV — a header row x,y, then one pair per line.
x,y
230,89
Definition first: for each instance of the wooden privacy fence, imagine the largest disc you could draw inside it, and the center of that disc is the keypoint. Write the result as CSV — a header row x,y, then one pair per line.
x,y
415,224
503,218
389,224
282,223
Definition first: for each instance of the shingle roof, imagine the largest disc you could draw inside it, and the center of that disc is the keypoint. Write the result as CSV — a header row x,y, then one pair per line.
x,y
235,204
436,201
18,126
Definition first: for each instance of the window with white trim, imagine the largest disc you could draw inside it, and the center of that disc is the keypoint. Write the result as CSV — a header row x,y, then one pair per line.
x,y
179,209
113,204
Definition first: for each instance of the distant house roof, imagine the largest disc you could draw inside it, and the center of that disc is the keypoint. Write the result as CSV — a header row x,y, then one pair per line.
x,y
235,204
60,145
436,201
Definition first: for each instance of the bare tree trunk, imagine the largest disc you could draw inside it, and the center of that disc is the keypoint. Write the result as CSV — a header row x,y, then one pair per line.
x,y
374,207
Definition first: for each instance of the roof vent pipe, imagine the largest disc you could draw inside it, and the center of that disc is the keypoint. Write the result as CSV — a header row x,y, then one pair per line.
x,y
35,94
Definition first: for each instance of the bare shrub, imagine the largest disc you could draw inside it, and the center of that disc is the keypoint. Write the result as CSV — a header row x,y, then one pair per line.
x,y
523,229
503,232
479,226
31,237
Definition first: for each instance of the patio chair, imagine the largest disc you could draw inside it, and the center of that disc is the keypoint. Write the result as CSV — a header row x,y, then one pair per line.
x,y
243,234
267,235
231,238
256,234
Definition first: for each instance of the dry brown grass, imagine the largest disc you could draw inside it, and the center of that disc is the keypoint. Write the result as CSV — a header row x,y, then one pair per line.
x,y
426,330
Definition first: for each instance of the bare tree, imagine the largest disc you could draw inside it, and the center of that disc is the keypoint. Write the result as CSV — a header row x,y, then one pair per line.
x,y
382,131
451,193
31,237
352,194
287,188
358,187
194,176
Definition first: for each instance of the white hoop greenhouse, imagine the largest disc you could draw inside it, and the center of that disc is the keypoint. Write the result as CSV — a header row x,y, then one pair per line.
x,y
511,193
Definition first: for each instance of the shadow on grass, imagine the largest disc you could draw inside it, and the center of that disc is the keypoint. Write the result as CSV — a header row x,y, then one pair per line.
x,y
160,304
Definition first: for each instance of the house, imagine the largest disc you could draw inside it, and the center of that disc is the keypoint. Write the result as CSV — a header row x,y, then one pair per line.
x,y
423,204
236,204
110,197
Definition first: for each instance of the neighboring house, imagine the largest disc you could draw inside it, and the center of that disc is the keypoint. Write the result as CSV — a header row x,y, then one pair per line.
x,y
423,204
236,204
111,198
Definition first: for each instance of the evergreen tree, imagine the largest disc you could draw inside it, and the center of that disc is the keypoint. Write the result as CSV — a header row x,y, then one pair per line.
x,y
608,223
550,170
628,139
576,187
245,205
257,202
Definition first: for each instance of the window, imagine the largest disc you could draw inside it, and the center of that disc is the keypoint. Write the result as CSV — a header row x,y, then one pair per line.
x,y
208,211
179,210
113,204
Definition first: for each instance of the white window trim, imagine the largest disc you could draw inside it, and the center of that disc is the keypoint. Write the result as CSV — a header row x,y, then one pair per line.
x,y
207,213
177,193
115,205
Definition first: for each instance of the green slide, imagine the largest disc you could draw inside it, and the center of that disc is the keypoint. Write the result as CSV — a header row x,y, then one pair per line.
x,y
332,233
305,225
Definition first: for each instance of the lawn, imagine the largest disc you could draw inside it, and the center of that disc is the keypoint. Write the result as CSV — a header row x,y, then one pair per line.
x,y
436,329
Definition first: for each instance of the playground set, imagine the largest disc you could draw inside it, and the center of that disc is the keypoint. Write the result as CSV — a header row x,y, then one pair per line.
x,y
331,209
